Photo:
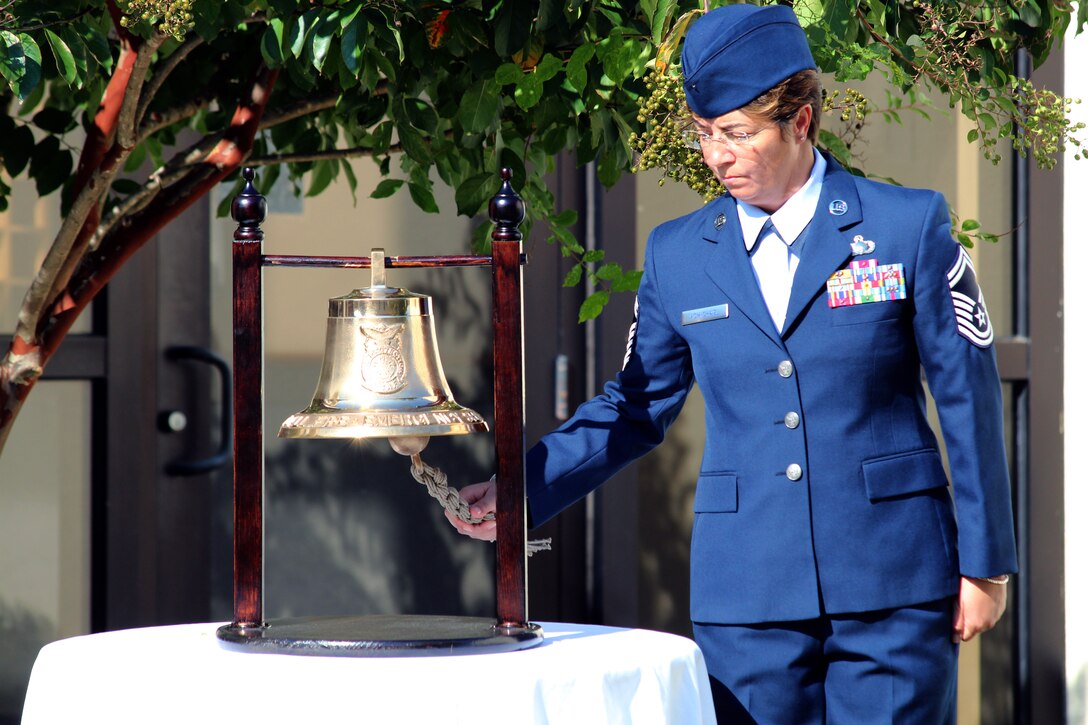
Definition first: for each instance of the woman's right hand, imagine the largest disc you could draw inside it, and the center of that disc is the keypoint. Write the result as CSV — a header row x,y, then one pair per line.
x,y
481,500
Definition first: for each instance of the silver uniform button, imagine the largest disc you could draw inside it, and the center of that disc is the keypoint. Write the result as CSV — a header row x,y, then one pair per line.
x,y
792,420
785,368
793,472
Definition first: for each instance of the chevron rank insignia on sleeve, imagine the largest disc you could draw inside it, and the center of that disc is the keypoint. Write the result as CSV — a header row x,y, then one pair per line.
x,y
972,320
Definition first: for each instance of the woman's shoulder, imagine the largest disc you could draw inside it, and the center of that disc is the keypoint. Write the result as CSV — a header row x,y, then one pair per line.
x,y
886,192
704,220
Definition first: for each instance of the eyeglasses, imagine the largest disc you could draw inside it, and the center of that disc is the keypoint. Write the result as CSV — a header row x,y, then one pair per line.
x,y
734,140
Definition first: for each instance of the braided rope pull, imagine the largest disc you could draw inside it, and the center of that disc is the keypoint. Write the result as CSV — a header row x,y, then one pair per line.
x,y
450,498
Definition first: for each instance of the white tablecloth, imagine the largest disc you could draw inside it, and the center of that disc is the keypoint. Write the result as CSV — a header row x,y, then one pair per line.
x,y
181,674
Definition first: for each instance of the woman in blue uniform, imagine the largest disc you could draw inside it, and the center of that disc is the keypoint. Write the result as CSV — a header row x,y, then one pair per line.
x,y
832,575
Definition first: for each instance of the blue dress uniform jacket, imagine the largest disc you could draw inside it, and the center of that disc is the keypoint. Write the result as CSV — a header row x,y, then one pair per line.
x,y
821,479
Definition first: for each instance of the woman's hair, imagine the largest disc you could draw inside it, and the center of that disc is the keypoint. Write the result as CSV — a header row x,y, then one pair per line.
x,y
782,102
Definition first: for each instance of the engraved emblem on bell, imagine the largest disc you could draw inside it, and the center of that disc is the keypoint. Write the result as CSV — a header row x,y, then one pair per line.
x,y
383,369
381,376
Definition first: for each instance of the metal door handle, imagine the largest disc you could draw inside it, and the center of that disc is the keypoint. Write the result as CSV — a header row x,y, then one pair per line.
x,y
226,424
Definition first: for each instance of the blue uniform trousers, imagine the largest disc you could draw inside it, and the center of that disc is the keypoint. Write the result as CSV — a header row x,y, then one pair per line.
x,y
889,666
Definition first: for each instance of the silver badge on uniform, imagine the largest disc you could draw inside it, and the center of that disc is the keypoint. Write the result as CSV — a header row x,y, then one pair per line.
x,y
972,320
704,314
861,245
838,207
719,221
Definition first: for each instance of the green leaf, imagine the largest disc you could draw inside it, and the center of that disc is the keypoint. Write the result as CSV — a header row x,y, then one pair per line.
x,y
33,71
21,63
593,255
387,187
413,144
206,18
349,17
353,181
473,193
618,54
969,225
478,108
1030,14
593,305
808,12
13,60
508,73
321,41
321,176
576,66
548,67
352,42
50,165
610,271
566,218
272,43
568,243
659,14
573,277
987,121
629,282
15,148
79,52
135,159
54,120
528,91
125,186
423,197
972,135
296,38
66,61
512,26
98,46
421,114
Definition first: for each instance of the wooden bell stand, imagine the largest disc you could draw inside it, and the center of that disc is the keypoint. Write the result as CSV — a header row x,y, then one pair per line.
x,y
379,635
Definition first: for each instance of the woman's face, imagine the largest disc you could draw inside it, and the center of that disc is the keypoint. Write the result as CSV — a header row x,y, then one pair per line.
x,y
767,170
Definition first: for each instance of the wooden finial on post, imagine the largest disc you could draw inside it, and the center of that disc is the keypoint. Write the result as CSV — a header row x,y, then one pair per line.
x,y
507,211
249,208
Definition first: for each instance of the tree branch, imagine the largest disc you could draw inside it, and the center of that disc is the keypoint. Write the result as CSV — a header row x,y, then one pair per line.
x,y
273,159
160,120
168,67
99,266
304,108
44,25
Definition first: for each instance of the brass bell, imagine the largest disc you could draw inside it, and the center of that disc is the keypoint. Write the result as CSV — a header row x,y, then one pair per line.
x,y
381,376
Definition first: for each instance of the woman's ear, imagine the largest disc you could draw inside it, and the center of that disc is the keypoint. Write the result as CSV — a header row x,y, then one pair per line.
x,y
801,121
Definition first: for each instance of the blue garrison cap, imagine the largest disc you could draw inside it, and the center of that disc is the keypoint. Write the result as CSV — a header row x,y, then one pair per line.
x,y
735,53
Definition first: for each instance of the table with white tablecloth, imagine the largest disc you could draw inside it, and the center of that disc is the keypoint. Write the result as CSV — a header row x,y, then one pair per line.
x,y
182,674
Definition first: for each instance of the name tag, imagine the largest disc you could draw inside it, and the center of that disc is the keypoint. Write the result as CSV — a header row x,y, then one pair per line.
x,y
704,314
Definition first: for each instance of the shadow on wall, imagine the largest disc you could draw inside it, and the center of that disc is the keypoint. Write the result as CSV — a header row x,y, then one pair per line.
x,y
22,634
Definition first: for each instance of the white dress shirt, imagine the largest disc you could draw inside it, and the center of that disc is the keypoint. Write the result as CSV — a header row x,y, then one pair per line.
x,y
775,258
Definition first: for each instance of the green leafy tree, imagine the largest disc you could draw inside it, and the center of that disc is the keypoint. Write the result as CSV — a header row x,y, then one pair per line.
x,y
96,90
